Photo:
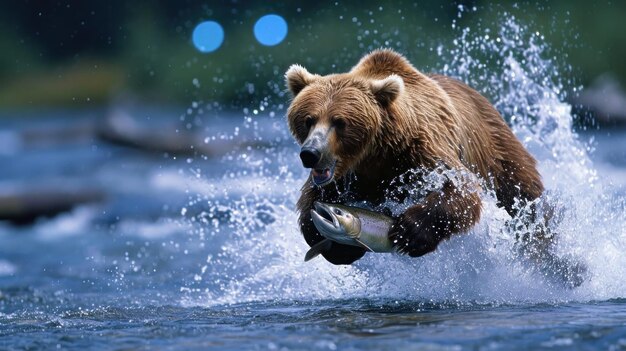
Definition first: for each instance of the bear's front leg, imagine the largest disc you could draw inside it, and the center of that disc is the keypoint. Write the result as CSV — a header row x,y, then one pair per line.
x,y
422,227
337,253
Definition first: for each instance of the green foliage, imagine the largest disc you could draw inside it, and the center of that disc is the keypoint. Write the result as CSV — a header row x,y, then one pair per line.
x,y
149,51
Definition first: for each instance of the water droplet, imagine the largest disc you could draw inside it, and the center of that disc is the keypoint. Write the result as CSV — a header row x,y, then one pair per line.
x,y
208,36
270,30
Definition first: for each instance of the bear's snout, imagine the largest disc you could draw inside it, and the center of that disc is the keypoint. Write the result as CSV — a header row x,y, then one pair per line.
x,y
310,156
315,148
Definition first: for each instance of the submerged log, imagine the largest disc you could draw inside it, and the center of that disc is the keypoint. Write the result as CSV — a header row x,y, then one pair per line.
x,y
121,129
24,207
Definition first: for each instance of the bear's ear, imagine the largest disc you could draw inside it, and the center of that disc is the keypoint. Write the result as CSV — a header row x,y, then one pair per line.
x,y
388,89
297,78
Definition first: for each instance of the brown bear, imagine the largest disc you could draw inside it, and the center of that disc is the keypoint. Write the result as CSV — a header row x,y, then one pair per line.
x,y
359,131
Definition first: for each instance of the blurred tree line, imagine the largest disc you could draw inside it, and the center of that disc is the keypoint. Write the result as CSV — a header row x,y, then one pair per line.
x,y
87,52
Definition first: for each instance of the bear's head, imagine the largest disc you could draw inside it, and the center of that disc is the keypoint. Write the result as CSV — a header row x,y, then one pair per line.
x,y
337,118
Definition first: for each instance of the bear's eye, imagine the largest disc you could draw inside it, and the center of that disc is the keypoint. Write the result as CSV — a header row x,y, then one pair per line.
x,y
308,121
339,122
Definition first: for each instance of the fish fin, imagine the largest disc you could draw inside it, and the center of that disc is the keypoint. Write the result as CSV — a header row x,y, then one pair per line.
x,y
317,249
362,243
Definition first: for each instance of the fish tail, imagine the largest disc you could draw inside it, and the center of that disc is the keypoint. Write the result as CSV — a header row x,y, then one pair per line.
x,y
317,249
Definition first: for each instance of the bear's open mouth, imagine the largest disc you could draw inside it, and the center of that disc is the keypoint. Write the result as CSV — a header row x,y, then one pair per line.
x,y
323,176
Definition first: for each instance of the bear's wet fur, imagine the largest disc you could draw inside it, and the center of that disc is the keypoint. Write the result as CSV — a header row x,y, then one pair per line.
x,y
384,118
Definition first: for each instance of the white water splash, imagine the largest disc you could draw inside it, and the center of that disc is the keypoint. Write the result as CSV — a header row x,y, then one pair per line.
x,y
261,252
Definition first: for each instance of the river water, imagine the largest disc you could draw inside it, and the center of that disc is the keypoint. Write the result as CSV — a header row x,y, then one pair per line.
x,y
198,252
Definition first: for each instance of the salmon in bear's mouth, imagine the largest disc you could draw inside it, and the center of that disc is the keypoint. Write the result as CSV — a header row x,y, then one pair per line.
x,y
323,176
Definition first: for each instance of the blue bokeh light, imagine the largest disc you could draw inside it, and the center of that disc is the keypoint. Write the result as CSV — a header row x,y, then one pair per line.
x,y
270,30
208,36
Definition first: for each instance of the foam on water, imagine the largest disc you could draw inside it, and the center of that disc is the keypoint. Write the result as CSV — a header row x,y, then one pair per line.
x,y
66,225
7,269
260,252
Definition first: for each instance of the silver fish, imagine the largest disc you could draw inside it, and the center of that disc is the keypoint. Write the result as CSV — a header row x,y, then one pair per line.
x,y
350,226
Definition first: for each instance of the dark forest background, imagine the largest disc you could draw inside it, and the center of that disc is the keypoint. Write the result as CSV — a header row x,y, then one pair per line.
x,y
76,53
